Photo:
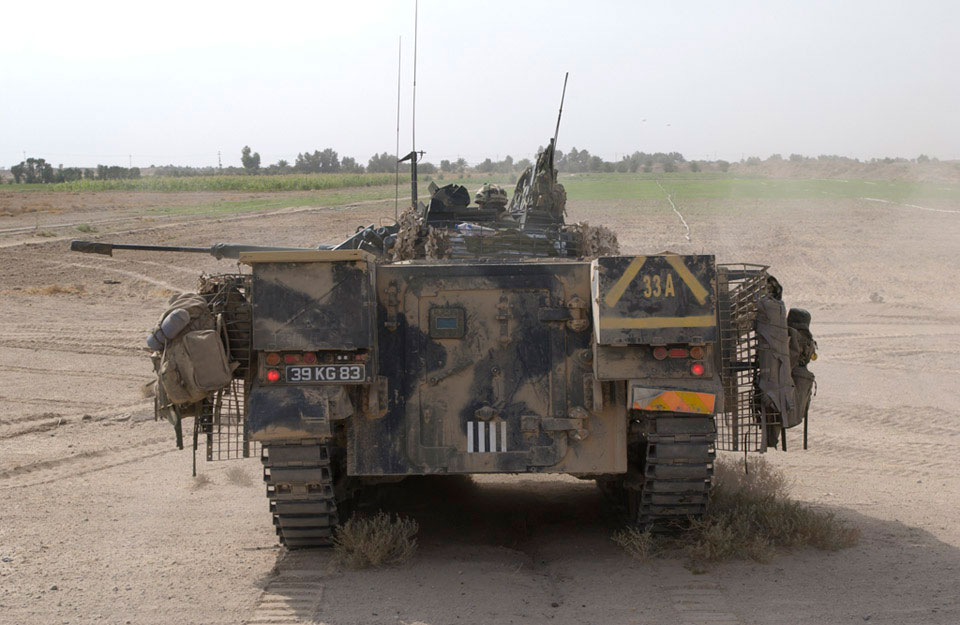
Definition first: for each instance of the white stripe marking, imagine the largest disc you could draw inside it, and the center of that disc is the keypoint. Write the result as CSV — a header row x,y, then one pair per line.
x,y
493,437
503,436
481,439
469,437
924,208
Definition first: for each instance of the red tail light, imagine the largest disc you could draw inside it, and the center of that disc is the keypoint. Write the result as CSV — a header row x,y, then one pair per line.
x,y
678,352
696,352
659,353
697,368
310,358
291,359
273,375
273,359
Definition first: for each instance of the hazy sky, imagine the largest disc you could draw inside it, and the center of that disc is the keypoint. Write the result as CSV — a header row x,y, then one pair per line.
x,y
174,82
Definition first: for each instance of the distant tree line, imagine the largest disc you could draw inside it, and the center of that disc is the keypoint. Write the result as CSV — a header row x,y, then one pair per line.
x,y
39,171
328,161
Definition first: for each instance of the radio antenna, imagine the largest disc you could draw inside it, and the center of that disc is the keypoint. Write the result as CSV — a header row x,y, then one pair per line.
x,y
563,95
396,199
416,19
414,156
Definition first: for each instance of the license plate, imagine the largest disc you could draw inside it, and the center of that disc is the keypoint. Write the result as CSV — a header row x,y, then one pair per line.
x,y
326,373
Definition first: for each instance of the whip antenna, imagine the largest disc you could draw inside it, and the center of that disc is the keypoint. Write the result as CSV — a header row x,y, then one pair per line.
x,y
396,199
416,19
413,155
560,114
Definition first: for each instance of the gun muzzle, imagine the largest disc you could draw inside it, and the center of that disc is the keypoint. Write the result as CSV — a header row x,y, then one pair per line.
x,y
90,247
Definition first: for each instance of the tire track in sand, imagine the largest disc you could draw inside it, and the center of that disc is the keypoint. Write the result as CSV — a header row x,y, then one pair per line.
x,y
60,469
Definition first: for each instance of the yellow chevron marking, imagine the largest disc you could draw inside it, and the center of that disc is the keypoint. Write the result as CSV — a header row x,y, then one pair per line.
x,y
620,287
692,400
647,323
688,278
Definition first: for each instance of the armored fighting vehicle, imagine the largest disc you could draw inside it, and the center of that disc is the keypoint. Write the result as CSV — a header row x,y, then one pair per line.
x,y
480,338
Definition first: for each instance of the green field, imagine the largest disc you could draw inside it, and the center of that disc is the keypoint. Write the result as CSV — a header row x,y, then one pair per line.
x,y
341,197
289,182
698,186
711,186
579,187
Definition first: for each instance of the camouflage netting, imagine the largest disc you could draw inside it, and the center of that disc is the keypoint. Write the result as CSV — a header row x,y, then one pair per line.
x,y
411,245
406,246
437,243
596,240
416,240
538,190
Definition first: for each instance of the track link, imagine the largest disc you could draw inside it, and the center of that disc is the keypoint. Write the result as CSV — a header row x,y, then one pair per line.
x,y
301,492
677,471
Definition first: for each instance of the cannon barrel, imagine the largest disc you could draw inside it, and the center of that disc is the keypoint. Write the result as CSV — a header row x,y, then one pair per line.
x,y
217,250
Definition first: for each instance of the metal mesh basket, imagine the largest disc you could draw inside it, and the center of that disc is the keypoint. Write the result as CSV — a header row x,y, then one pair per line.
x,y
222,418
743,423
221,424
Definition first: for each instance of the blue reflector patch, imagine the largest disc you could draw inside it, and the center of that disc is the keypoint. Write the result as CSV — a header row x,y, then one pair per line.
x,y
446,323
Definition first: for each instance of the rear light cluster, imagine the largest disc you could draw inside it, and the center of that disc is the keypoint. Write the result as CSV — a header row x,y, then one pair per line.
x,y
695,352
308,358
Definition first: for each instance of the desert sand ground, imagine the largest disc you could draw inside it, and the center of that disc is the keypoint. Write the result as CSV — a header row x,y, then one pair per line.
x,y
101,521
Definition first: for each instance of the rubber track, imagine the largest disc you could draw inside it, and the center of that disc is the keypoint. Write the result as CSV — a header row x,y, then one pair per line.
x,y
300,490
678,470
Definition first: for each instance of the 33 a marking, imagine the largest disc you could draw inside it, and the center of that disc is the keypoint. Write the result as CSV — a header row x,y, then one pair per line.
x,y
655,285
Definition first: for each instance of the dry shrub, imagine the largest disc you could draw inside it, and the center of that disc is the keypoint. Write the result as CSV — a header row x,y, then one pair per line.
x,y
237,476
750,515
375,541
201,480
87,228
46,234
57,289
640,544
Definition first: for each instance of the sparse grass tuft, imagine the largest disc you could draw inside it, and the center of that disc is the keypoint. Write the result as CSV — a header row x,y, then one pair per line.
x,y
57,289
750,517
46,233
640,544
87,228
375,541
201,480
237,476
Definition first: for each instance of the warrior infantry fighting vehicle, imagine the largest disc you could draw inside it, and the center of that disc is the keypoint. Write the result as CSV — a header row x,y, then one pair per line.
x,y
489,338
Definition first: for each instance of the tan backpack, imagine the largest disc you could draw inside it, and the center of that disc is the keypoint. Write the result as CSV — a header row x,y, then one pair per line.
x,y
195,362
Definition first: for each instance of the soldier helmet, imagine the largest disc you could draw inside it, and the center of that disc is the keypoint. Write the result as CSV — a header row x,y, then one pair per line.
x,y
773,286
491,194
798,318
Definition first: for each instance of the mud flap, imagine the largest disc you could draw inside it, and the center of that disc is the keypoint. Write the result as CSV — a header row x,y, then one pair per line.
x,y
295,412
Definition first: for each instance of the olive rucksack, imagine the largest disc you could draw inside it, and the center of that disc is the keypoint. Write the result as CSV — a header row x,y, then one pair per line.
x,y
803,349
194,363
